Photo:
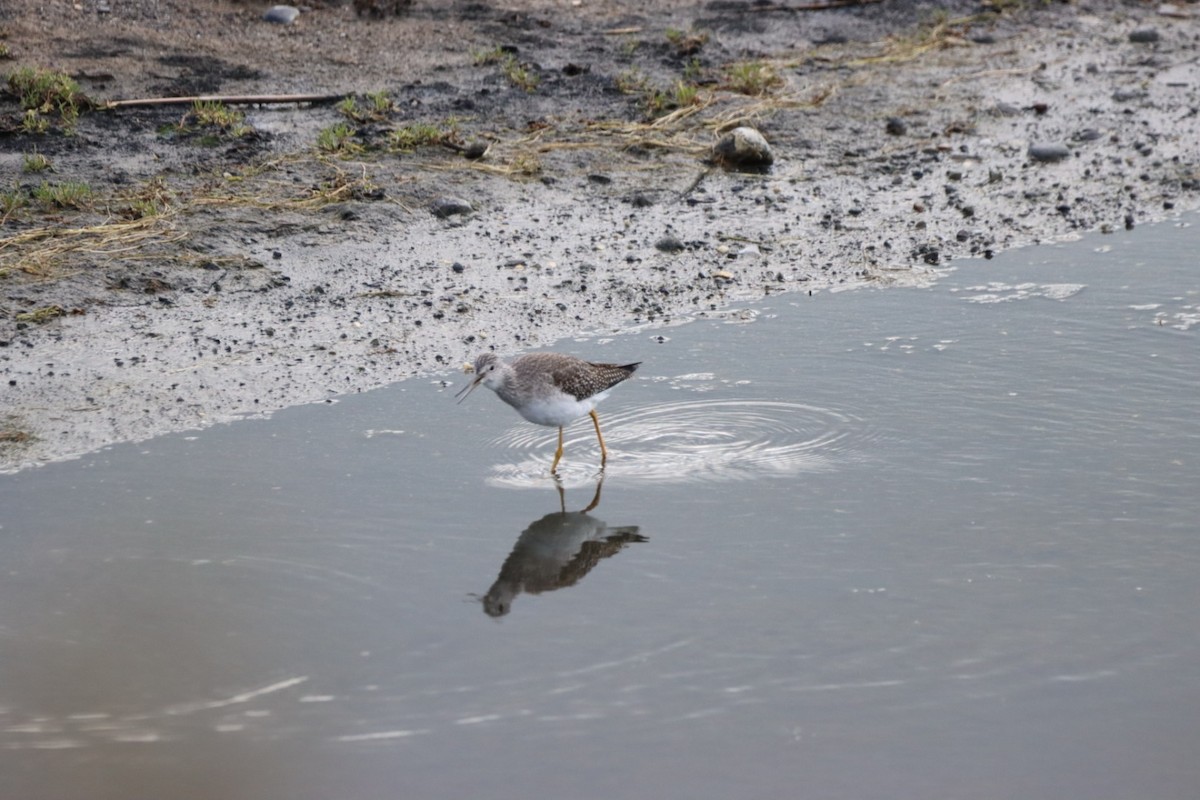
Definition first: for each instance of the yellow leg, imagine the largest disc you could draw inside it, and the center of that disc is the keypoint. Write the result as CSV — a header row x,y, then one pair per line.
x,y
558,454
603,449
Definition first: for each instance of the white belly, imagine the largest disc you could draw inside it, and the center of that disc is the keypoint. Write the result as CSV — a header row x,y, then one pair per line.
x,y
560,410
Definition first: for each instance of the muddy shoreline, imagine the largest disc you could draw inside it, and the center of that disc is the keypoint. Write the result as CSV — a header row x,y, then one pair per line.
x,y
231,272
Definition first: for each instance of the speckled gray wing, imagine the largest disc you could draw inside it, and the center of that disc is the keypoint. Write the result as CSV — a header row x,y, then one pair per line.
x,y
582,379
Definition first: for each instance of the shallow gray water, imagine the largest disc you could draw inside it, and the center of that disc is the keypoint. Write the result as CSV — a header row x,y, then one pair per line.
x,y
908,543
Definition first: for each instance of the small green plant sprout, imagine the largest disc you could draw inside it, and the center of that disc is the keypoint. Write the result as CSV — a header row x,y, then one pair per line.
x,y
693,70
686,43
48,92
377,107
4,51
380,102
518,74
68,194
685,94
752,78
11,201
35,162
680,95
492,55
655,101
348,107
414,135
215,114
34,123
337,139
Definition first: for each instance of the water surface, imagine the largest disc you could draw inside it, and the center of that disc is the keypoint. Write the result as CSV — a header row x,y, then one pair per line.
x,y
917,543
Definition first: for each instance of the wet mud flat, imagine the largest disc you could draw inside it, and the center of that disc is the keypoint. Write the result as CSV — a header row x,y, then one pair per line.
x,y
506,177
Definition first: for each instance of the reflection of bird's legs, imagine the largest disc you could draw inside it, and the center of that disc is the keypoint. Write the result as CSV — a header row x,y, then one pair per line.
x,y
562,495
595,500
603,449
558,453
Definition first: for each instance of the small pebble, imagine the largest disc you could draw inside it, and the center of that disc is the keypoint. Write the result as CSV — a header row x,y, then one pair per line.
x,y
896,127
1144,36
281,15
1049,152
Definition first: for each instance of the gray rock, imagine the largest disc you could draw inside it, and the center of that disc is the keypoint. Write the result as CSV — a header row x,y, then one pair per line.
x,y
743,148
449,206
1144,36
669,244
1049,152
281,15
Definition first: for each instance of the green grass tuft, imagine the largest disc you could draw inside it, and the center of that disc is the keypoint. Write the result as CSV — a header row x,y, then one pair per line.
x,y
35,162
752,78
417,134
68,194
337,139
47,92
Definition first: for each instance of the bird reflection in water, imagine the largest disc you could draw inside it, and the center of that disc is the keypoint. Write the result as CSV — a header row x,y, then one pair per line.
x,y
556,551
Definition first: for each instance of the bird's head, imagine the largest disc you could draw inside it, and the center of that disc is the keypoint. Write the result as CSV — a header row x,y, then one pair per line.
x,y
485,366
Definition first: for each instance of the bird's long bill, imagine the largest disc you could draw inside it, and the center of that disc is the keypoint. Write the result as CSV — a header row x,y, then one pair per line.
x,y
465,392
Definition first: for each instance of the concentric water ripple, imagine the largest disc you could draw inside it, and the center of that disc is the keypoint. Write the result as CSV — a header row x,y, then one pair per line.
x,y
691,441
